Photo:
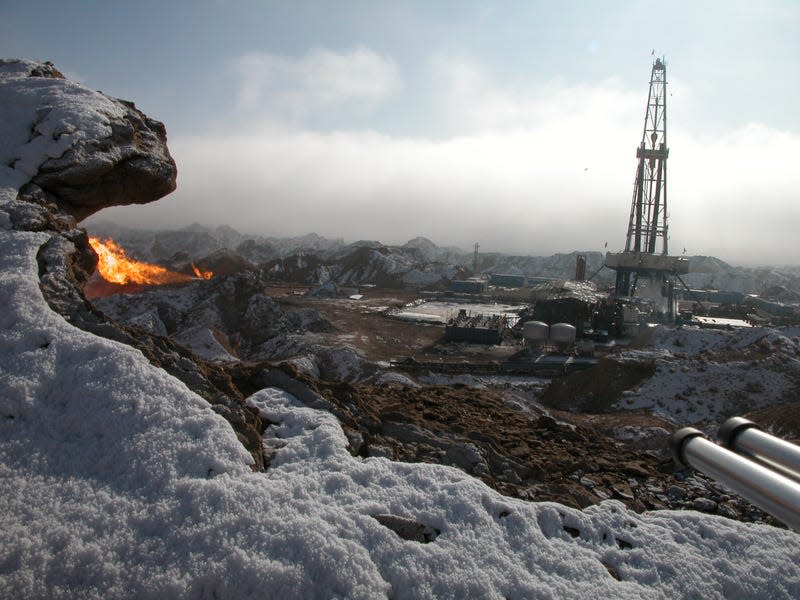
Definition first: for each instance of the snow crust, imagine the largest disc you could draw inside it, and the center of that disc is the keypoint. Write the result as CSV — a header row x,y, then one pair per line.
x,y
704,376
43,118
117,481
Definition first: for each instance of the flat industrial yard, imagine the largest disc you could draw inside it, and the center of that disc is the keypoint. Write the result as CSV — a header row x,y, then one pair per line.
x,y
365,325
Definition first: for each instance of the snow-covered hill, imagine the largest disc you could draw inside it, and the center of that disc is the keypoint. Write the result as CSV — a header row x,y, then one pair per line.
x,y
703,376
421,259
198,241
711,273
118,481
231,311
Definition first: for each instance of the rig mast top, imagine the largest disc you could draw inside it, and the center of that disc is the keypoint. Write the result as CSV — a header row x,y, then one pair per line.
x,y
648,220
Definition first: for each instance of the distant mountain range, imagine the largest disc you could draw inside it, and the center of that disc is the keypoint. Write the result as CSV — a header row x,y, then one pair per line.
x,y
314,259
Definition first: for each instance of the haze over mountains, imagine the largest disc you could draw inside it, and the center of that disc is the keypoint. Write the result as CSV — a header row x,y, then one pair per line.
x,y
196,242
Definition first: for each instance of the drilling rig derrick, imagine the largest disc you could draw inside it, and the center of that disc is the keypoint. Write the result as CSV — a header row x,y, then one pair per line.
x,y
645,254
648,220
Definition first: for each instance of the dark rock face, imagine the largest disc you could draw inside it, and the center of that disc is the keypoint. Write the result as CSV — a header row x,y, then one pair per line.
x,y
47,70
132,166
39,211
109,153
408,529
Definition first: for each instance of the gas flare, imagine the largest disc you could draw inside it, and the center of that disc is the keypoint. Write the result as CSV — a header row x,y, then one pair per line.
x,y
115,266
200,274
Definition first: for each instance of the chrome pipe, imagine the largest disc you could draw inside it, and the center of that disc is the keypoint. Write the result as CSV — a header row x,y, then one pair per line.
x,y
770,491
748,439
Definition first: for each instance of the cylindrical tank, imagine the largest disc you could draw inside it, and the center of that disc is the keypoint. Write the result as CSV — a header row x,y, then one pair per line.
x,y
562,335
535,332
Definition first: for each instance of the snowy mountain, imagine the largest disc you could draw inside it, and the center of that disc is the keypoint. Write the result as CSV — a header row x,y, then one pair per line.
x,y
707,272
120,481
424,262
198,242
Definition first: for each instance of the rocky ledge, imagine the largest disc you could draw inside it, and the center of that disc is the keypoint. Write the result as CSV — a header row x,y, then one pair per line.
x,y
78,151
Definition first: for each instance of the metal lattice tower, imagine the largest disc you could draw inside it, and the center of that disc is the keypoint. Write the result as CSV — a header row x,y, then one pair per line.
x,y
648,221
645,259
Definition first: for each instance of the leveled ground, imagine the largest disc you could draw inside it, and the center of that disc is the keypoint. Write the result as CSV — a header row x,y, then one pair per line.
x,y
363,325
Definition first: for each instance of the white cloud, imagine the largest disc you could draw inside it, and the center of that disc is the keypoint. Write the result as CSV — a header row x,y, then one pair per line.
x,y
286,87
535,170
736,194
472,101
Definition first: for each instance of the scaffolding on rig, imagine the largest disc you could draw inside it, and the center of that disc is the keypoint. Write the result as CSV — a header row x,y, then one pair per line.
x,y
646,246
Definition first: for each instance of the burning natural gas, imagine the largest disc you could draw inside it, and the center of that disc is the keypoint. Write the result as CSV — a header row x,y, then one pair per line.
x,y
115,266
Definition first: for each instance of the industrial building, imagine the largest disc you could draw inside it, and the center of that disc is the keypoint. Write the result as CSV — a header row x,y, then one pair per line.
x,y
479,329
467,286
505,280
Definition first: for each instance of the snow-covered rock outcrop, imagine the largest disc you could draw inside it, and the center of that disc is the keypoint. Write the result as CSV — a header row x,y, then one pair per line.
x,y
67,152
118,481
78,148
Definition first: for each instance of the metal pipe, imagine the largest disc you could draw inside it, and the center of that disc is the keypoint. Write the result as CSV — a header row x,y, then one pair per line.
x,y
748,439
770,491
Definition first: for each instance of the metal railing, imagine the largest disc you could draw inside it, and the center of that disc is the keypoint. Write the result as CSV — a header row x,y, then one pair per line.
x,y
758,466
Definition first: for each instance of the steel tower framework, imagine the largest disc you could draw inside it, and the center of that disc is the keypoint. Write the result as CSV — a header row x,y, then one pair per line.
x,y
646,247
648,220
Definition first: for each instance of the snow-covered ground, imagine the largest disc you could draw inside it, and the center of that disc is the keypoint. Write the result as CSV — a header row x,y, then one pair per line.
x,y
118,481
704,376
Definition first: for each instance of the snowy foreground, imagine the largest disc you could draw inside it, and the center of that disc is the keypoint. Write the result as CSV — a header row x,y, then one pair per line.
x,y
117,481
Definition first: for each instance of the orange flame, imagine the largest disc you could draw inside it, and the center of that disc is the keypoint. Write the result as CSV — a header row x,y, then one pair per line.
x,y
115,266
200,274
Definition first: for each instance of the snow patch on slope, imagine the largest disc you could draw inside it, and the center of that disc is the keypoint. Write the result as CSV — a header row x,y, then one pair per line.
x,y
202,341
703,376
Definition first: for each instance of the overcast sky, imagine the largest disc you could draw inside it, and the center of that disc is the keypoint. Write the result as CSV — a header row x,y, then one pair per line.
x,y
511,124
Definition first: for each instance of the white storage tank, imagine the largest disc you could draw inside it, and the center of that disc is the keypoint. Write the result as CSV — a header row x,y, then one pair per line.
x,y
562,335
535,333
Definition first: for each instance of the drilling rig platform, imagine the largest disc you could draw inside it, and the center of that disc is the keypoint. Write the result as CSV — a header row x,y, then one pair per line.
x,y
645,269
